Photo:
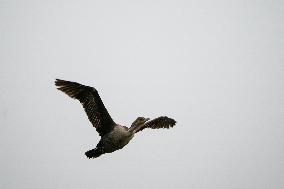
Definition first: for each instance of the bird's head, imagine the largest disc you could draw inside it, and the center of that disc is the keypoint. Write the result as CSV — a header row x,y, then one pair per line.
x,y
140,121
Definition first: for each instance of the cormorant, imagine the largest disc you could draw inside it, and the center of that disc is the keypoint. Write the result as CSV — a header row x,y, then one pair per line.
x,y
113,136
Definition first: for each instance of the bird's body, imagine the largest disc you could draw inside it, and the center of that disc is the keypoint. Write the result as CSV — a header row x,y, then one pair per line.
x,y
113,136
116,139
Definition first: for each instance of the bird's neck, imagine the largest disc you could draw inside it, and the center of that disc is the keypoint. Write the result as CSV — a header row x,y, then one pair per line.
x,y
134,128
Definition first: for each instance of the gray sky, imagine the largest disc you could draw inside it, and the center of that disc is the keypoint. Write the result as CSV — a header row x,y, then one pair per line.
x,y
214,66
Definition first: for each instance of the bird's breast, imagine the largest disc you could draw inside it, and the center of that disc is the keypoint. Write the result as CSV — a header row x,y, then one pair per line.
x,y
118,138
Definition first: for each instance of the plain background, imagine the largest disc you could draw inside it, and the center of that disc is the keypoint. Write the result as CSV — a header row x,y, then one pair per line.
x,y
215,66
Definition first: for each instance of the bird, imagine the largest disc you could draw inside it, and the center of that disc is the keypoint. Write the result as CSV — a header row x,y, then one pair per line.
x,y
113,136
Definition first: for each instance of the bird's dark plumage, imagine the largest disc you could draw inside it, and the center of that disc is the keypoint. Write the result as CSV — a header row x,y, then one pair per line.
x,y
158,123
113,136
92,103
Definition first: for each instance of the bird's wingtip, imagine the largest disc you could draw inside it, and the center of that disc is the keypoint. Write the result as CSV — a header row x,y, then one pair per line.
x,y
59,82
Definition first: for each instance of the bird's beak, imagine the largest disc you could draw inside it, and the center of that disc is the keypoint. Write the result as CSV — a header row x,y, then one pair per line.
x,y
147,119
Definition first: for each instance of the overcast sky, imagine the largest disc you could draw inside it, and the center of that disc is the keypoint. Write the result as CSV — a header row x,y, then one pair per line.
x,y
217,67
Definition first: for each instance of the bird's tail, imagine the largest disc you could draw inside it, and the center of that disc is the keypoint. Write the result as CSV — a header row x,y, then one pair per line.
x,y
94,153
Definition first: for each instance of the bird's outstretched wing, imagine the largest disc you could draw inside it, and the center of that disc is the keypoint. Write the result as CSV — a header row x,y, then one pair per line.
x,y
92,104
160,122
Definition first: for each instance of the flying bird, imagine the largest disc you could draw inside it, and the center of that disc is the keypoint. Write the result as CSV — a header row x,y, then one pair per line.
x,y
113,136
